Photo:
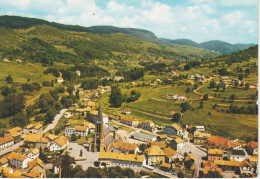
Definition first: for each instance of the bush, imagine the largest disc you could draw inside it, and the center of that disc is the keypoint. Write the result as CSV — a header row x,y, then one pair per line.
x,y
96,163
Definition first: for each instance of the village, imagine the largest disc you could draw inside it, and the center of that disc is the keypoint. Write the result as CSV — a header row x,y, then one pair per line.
x,y
92,138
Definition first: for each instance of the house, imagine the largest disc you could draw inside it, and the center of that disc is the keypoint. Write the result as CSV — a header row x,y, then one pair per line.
x,y
200,137
104,89
221,143
3,162
171,155
69,131
67,114
182,98
30,175
81,130
50,137
155,155
82,111
236,80
190,82
59,144
126,111
60,80
33,128
238,155
14,132
190,157
142,136
244,166
91,105
58,162
253,160
147,125
200,128
121,159
6,170
253,148
174,129
162,137
185,134
81,91
177,143
162,145
33,154
78,72
18,61
224,78
118,78
6,60
6,142
18,160
209,166
215,154
223,84
37,166
129,121
37,140
124,147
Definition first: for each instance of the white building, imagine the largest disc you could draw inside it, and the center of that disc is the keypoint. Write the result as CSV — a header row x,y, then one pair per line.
x,y
6,142
60,80
238,155
59,144
34,153
67,114
18,160
81,130
200,128
177,143
69,131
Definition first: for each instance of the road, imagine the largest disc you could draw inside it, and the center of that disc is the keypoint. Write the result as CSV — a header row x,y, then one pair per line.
x,y
55,121
197,153
11,148
76,88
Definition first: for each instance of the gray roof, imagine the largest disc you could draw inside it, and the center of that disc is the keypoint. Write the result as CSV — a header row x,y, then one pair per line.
x,y
108,129
143,135
108,140
100,116
238,152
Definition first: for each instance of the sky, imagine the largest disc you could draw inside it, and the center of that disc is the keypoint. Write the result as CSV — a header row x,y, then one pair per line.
x,y
233,21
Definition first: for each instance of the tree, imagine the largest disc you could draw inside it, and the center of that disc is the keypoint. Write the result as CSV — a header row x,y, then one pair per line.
x,y
180,174
66,163
201,105
70,89
188,90
205,97
247,72
188,164
9,79
50,114
213,174
133,92
232,97
176,117
143,147
20,119
73,137
129,173
217,87
247,86
187,67
116,97
212,84
240,77
236,84
185,106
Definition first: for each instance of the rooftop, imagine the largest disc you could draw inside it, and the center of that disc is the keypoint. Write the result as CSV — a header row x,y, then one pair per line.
x,y
143,135
61,141
221,141
6,139
121,156
176,126
215,152
238,152
125,145
155,150
169,152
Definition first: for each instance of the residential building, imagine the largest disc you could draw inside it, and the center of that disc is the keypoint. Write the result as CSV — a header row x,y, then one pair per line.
x,y
253,147
81,130
3,162
126,111
221,143
177,143
33,128
59,144
118,78
129,121
50,137
69,131
238,155
223,84
91,105
18,160
171,155
122,159
33,154
244,166
36,140
162,145
162,137
6,60
37,166
60,80
30,175
14,132
155,155
104,89
174,129
252,159
67,114
143,136
147,125
78,72
124,147
215,154
6,170
6,142
200,137
200,128
209,166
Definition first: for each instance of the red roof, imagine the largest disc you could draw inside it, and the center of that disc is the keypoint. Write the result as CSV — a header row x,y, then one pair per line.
x,y
253,144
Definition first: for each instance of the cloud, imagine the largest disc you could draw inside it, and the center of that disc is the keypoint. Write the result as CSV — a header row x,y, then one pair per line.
x,y
238,2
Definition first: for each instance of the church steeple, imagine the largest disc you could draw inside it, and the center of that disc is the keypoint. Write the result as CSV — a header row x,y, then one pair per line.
x,y
100,116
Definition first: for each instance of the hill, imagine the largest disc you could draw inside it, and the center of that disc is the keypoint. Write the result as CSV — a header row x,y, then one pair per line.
x,y
215,45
